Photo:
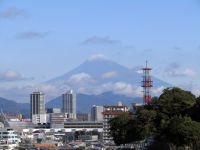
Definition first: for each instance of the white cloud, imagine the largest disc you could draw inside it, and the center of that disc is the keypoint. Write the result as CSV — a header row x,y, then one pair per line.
x,y
123,88
178,73
196,92
138,91
80,83
101,40
10,75
80,79
22,93
98,57
157,91
190,86
174,70
118,88
110,75
139,71
189,72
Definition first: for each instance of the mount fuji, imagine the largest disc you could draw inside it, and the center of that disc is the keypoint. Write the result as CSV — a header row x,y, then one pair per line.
x,y
99,74
100,81
97,81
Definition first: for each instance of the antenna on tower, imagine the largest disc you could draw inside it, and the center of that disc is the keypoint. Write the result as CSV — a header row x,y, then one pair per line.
x,y
146,63
147,84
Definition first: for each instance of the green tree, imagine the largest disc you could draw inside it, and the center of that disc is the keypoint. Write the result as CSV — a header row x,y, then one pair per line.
x,y
126,128
167,118
175,132
118,128
175,101
180,133
184,131
195,110
145,123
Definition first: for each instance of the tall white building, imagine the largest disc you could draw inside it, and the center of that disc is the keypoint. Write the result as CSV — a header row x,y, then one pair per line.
x,y
96,113
37,104
69,104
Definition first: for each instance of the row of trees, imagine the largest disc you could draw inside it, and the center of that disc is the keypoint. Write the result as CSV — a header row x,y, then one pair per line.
x,y
173,119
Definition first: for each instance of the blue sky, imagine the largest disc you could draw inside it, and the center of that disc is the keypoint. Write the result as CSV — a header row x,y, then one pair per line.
x,y
40,40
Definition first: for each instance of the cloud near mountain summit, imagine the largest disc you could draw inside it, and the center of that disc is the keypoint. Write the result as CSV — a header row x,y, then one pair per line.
x,y
110,75
98,57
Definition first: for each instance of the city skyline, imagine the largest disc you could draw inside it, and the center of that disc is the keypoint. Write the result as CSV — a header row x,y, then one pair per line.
x,y
42,40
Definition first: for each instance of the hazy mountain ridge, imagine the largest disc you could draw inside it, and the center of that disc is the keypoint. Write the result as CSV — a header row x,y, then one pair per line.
x,y
94,68
98,76
101,82
11,107
84,102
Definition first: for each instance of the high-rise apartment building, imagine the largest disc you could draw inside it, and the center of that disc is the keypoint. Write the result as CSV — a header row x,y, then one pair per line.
x,y
69,104
96,113
37,104
111,112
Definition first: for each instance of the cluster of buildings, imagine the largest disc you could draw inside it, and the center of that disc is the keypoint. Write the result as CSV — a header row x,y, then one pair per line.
x,y
67,118
63,125
56,117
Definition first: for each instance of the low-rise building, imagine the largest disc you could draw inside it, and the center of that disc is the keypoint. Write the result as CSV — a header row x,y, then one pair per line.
x,y
39,118
50,111
9,138
57,120
90,125
53,110
1,125
19,125
83,117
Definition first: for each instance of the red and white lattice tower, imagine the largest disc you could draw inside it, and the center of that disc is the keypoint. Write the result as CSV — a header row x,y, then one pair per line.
x,y
147,84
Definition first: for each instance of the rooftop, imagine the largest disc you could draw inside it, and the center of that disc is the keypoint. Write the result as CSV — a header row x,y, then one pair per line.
x,y
114,113
117,106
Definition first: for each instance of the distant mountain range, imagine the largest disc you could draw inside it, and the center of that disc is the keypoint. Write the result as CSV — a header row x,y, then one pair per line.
x,y
100,82
85,102
10,107
99,75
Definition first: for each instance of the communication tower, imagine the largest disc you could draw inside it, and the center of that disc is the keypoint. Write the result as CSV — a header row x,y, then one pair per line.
x,y
147,84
